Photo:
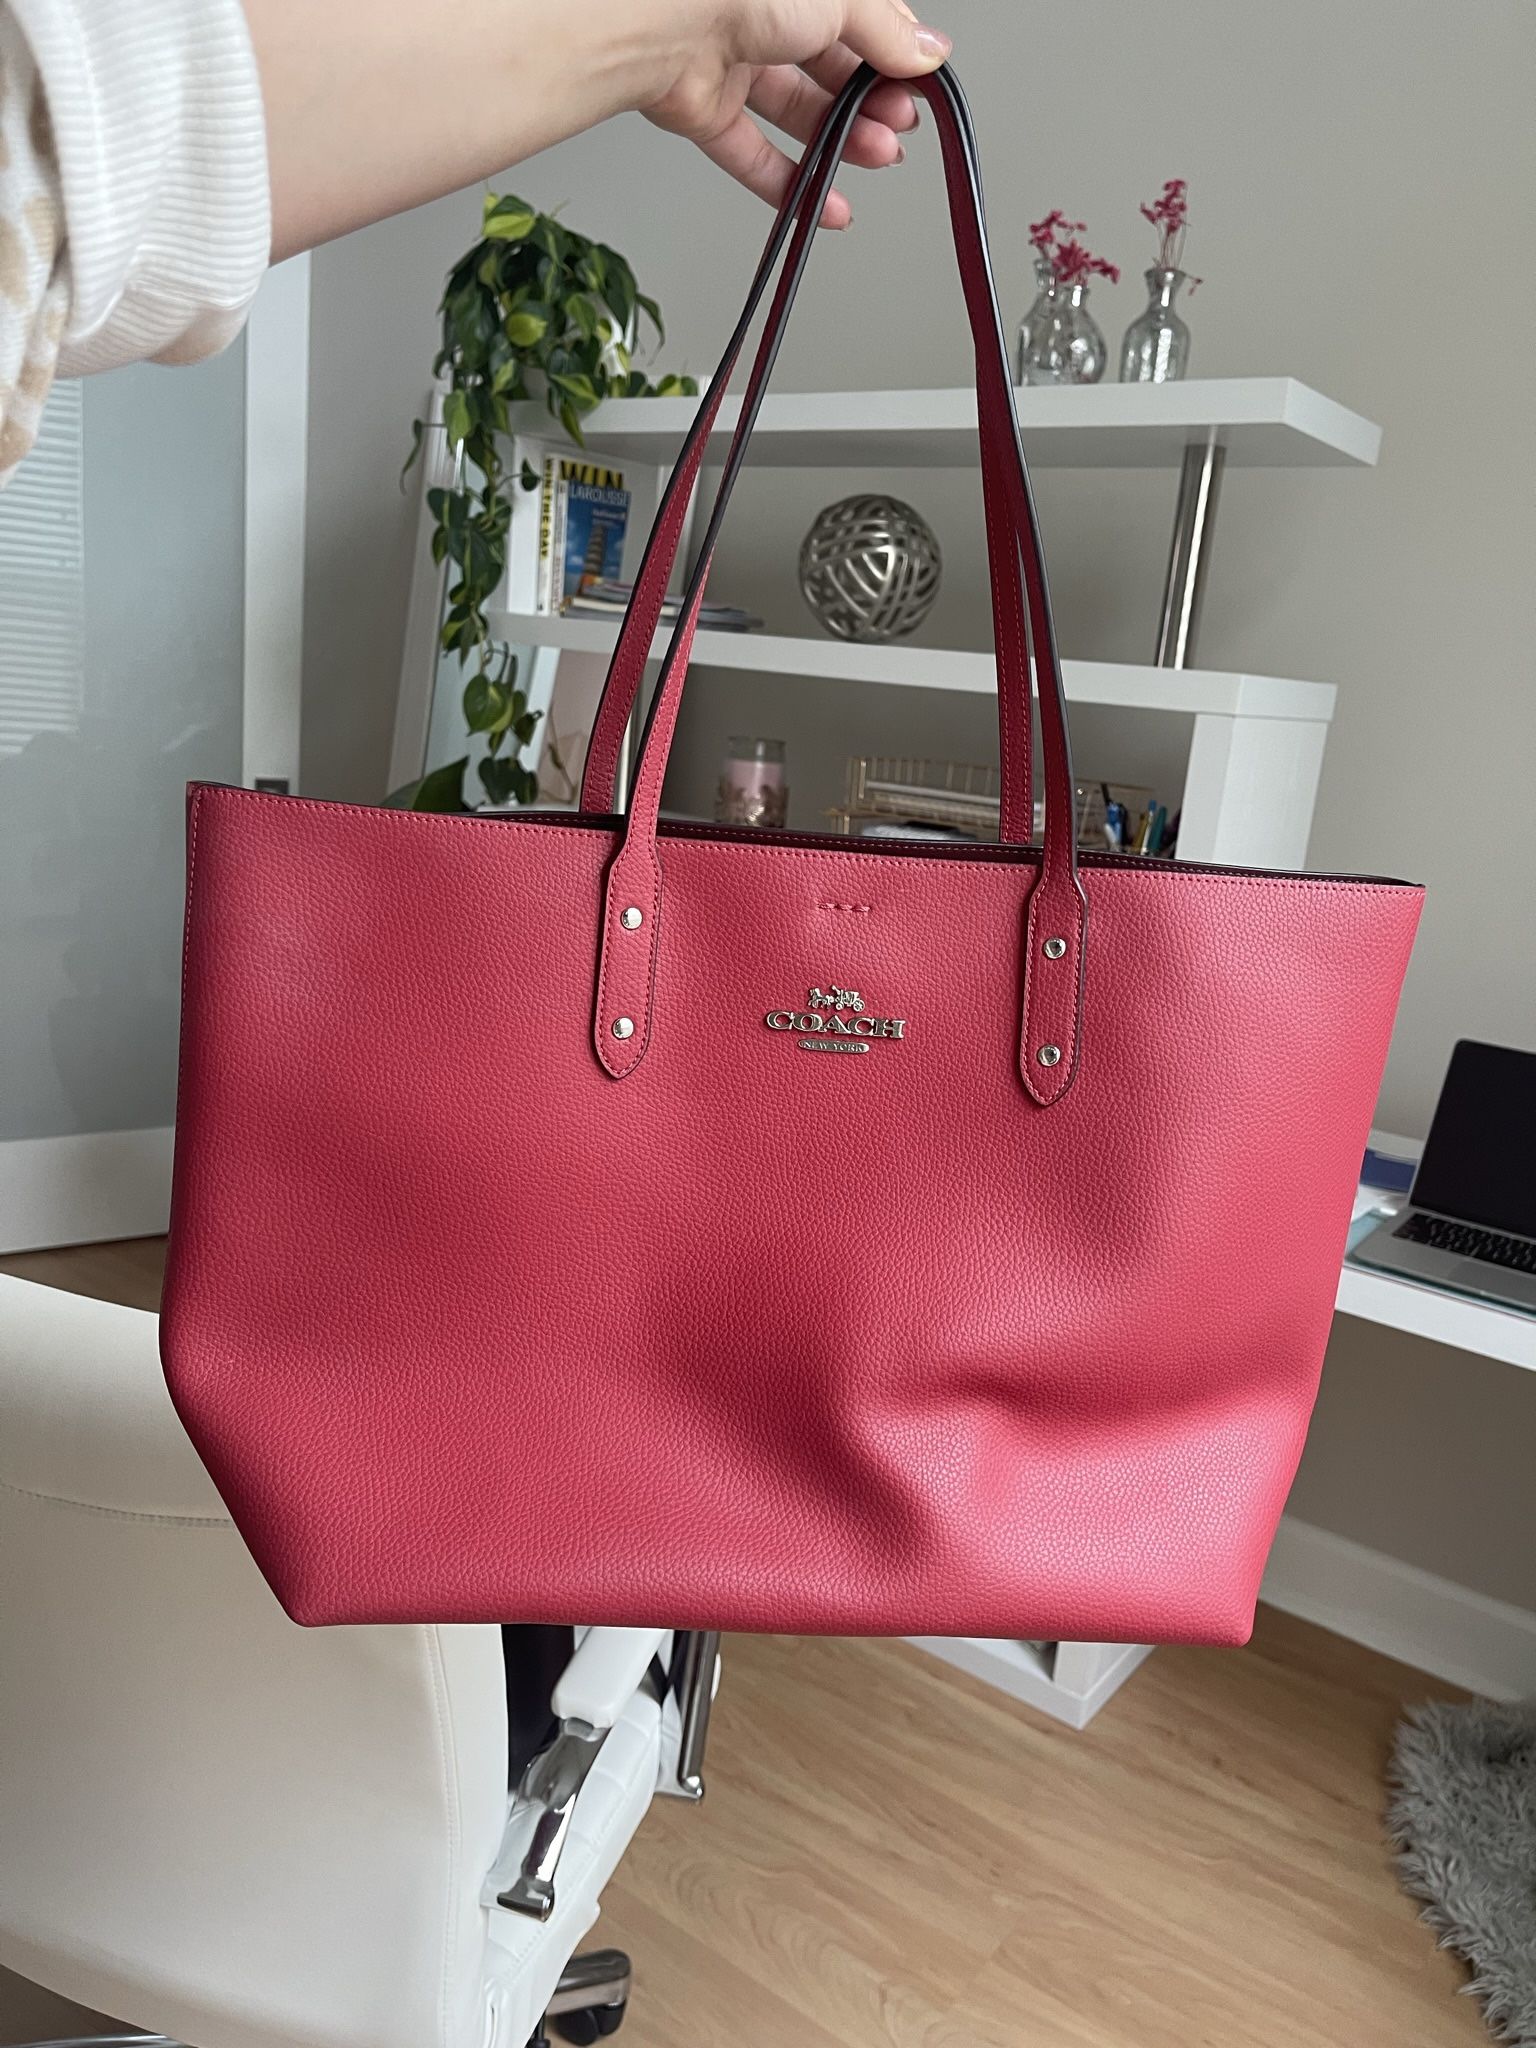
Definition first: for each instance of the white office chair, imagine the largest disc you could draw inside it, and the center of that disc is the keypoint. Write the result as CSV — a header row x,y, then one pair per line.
x,y
237,1833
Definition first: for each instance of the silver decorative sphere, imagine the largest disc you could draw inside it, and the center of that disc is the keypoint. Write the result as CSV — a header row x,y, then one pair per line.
x,y
869,568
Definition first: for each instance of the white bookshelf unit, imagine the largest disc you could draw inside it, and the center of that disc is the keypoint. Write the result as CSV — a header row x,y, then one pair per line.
x,y
1256,746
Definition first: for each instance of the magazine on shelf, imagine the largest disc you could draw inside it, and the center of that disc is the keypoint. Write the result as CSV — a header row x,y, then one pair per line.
x,y
591,515
609,599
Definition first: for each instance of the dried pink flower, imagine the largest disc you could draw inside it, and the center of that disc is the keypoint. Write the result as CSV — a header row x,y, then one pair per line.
x,y
1069,260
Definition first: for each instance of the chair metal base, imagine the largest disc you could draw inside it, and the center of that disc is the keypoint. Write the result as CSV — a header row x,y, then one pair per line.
x,y
588,2005
129,2040
590,1999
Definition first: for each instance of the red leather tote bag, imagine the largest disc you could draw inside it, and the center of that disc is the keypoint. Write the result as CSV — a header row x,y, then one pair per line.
x,y
586,1217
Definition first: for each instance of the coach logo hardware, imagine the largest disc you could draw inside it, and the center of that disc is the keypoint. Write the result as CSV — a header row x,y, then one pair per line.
x,y
837,1021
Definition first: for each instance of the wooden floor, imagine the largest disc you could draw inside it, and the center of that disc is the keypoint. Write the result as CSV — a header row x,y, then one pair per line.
x,y
129,1272
892,1855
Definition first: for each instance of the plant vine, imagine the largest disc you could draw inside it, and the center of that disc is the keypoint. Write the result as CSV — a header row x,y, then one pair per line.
x,y
533,310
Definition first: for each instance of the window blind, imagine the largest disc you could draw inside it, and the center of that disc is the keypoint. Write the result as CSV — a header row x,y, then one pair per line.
x,y
42,579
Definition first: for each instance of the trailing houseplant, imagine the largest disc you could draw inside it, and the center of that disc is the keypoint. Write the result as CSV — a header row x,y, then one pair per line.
x,y
533,310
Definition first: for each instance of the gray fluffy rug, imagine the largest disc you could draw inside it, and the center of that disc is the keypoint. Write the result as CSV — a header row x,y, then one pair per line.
x,y
1463,1816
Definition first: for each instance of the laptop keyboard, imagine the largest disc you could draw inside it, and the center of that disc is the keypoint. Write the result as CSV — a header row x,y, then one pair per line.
x,y
1467,1241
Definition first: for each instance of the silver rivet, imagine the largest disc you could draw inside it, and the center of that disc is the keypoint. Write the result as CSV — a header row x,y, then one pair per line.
x,y
631,919
623,1027
1048,1055
1054,948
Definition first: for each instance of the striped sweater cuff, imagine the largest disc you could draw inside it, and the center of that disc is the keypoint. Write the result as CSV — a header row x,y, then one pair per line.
x,y
161,147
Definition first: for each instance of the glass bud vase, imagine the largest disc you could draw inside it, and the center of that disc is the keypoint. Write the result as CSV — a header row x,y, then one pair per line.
x,y
1156,345
1060,342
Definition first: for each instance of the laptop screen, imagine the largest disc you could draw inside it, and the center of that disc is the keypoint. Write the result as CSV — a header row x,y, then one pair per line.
x,y
1479,1161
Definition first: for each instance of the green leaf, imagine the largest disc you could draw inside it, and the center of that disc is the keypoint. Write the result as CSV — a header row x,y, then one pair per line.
x,y
456,418
443,789
497,778
652,313
581,309
448,508
487,705
579,387
507,220
524,329
550,237
620,293
483,558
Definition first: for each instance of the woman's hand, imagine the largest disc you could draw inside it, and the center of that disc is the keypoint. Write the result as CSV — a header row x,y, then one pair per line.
x,y
373,106
783,60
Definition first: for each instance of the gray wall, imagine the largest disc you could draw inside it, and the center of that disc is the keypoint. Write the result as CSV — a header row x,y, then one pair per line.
x,y
1362,181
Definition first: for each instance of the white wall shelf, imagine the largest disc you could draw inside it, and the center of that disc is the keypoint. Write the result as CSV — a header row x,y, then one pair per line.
x,y
1133,685
1261,422
1255,753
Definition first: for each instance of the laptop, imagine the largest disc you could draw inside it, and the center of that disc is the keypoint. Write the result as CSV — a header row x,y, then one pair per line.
x,y
1471,1220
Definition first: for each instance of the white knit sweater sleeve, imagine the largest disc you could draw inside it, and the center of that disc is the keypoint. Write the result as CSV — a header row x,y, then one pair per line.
x,y
155,113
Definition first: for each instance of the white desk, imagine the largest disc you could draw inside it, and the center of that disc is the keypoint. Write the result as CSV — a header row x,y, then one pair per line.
x,y
1475,1326
1071,1681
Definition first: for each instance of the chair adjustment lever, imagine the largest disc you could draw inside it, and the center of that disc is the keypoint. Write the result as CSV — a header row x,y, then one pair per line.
x,y
540,1819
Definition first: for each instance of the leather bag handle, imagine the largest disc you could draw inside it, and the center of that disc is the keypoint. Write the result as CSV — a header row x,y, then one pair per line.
x,y
621,688
1056,910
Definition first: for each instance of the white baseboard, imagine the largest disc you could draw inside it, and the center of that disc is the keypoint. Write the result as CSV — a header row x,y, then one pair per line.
x,y
88,1189
1372,1598
1432,1623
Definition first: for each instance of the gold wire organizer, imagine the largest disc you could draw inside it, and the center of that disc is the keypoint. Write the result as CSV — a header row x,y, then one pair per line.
x,y
963,796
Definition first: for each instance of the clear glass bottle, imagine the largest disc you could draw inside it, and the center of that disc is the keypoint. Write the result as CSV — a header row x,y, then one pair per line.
x,y
752,789
1034,328
1156,345
1060,342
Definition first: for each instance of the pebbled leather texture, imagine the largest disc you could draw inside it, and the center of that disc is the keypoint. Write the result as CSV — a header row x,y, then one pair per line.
x,y
764,1338
814,1298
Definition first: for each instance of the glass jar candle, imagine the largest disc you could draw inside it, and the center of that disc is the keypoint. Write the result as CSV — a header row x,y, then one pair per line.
x,y
752,788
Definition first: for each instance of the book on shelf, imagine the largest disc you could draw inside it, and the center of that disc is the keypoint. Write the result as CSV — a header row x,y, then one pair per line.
x,y
608,599
531,529
565,542
567,527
